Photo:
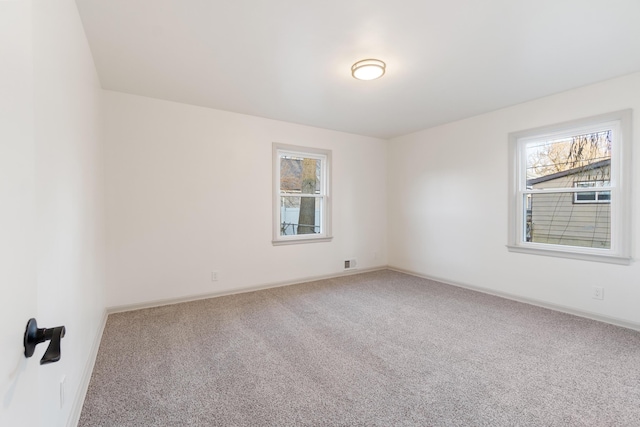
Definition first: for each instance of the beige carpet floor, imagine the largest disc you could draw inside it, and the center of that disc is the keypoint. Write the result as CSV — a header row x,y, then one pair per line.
x,y
373,349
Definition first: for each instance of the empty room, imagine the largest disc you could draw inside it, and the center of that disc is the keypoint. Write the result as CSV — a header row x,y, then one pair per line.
x,y
355,213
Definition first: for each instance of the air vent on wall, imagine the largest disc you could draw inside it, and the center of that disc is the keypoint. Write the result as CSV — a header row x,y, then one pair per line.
x,y
350,264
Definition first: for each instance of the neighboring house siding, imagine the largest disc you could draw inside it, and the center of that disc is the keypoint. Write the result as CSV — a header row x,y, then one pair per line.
x,y
556,219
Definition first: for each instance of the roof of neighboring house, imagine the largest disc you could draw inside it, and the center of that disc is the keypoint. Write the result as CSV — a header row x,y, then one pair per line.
x,y
596,165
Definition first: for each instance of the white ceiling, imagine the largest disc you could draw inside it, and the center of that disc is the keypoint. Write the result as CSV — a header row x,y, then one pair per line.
x,y
290,59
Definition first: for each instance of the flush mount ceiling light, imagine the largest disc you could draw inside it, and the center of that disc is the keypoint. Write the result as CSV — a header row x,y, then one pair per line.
x,y
368,69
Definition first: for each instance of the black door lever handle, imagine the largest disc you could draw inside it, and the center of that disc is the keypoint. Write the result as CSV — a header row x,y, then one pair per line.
x,y
34,336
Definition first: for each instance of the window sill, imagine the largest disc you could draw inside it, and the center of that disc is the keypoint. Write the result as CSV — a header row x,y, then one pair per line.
x,y
300,240
584,256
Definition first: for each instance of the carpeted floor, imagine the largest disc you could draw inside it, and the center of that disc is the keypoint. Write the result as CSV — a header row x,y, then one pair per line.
x,y
374,349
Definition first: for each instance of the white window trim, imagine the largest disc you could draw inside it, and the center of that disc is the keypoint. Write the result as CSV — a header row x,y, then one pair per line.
x,y
620,251
325,155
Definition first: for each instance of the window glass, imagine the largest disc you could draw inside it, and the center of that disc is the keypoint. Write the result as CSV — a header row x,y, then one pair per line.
x,y
569,161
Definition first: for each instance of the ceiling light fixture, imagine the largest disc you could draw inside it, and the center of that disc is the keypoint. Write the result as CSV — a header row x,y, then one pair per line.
x,y
368,69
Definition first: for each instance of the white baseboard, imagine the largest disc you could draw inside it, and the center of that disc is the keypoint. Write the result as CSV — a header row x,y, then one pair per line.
x,y
556,307
76,409
170,301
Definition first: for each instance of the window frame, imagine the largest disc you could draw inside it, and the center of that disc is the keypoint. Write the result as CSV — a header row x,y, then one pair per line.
x,y
325,193
620,189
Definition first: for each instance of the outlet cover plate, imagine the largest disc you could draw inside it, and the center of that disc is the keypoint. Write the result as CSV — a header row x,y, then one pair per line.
x,y
598,292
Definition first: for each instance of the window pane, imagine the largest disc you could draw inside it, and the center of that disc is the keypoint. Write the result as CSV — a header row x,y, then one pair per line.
x,y
300,215
555,219
604,196
585,197
300,175
559,163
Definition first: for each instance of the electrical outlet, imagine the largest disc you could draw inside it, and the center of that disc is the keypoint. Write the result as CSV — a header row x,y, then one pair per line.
x,y
214,276
597,292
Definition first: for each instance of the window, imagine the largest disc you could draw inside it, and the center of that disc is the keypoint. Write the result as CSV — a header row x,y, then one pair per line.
x,y
301,204
569,192
592,196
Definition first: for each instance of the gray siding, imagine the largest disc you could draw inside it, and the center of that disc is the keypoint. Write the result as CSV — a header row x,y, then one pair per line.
x,y
556,219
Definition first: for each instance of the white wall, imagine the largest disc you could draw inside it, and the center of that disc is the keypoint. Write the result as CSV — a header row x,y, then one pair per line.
x,y
189,191
448,206
69,196
18,287
60,175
